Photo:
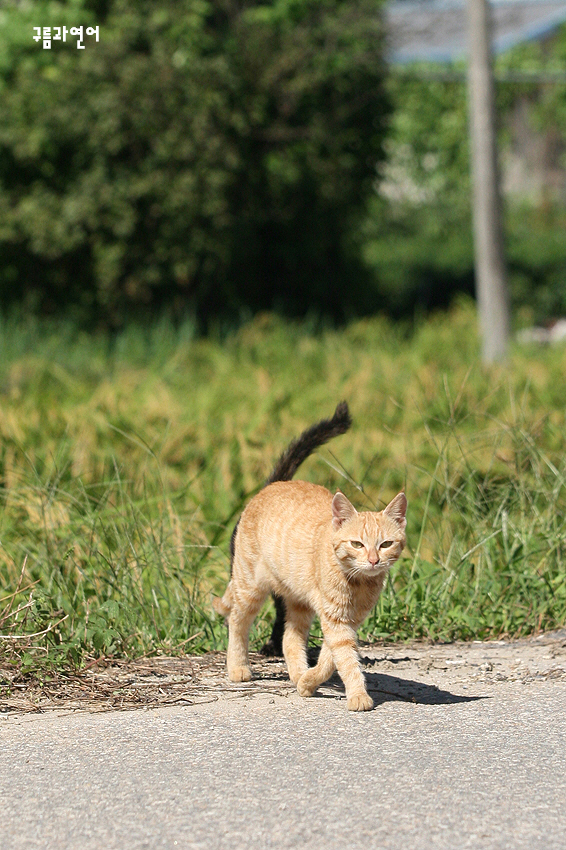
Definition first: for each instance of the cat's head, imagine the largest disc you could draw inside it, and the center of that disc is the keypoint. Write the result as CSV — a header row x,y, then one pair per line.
x,y
367,543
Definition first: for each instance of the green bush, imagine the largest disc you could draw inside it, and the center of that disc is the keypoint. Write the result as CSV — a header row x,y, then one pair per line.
x,y
205,155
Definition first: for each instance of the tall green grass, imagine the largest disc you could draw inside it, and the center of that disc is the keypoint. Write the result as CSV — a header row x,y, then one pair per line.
x,y
124,461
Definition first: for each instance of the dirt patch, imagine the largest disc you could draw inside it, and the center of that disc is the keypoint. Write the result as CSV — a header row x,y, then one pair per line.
x,y
146,682
413,672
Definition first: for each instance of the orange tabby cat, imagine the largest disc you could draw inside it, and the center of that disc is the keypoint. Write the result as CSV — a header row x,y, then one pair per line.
x,y
322,557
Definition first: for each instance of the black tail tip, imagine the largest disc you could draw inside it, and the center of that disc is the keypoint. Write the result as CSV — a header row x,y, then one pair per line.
x,y
342,414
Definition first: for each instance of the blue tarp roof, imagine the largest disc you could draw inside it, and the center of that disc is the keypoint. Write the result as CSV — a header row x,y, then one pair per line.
x,y
436,30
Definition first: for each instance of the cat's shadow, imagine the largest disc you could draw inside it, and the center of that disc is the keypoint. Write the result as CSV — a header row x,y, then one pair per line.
x,y
385,688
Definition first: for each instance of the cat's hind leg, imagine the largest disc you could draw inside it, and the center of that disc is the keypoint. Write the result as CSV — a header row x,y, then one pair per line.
x,y
240,620
240,604
323,670
298,619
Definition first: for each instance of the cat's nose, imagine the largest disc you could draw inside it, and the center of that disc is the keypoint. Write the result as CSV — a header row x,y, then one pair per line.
x,y
373,558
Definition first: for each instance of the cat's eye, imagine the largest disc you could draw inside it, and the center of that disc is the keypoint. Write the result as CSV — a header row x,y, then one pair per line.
x,y
357,544
387,544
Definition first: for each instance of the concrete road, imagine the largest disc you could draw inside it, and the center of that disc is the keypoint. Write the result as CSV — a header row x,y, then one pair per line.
x,y
475,761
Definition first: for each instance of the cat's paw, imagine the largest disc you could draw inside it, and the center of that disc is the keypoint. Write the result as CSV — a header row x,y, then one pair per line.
x,y
360,702
296,674
305,687
240,674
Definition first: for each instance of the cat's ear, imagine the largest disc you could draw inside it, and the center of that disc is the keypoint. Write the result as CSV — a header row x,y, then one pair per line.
x,y
342,510
397,509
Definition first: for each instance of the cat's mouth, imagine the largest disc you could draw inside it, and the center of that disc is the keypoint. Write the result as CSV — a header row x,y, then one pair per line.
x,y
369,569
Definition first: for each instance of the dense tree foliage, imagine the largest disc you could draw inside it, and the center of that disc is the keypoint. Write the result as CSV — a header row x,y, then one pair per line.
x,y
222,157
205,155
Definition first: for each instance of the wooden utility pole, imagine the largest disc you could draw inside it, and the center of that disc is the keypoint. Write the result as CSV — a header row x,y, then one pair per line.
x,y
490,271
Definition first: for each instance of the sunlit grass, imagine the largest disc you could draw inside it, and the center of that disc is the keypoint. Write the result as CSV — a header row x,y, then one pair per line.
x,y
124,461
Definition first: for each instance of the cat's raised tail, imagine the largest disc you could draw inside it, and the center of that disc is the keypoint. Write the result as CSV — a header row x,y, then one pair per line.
x,y
311,439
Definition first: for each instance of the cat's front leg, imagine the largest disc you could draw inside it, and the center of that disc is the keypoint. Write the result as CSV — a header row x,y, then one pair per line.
x,y
323,670
341,640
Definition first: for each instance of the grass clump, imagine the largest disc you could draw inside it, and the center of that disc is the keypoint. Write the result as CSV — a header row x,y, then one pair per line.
x,y
103,569
124,462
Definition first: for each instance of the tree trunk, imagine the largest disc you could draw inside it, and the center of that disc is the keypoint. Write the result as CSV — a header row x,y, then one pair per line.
x,y
489,259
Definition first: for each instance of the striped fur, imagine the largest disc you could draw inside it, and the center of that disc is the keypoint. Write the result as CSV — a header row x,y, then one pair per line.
x,y
322,557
